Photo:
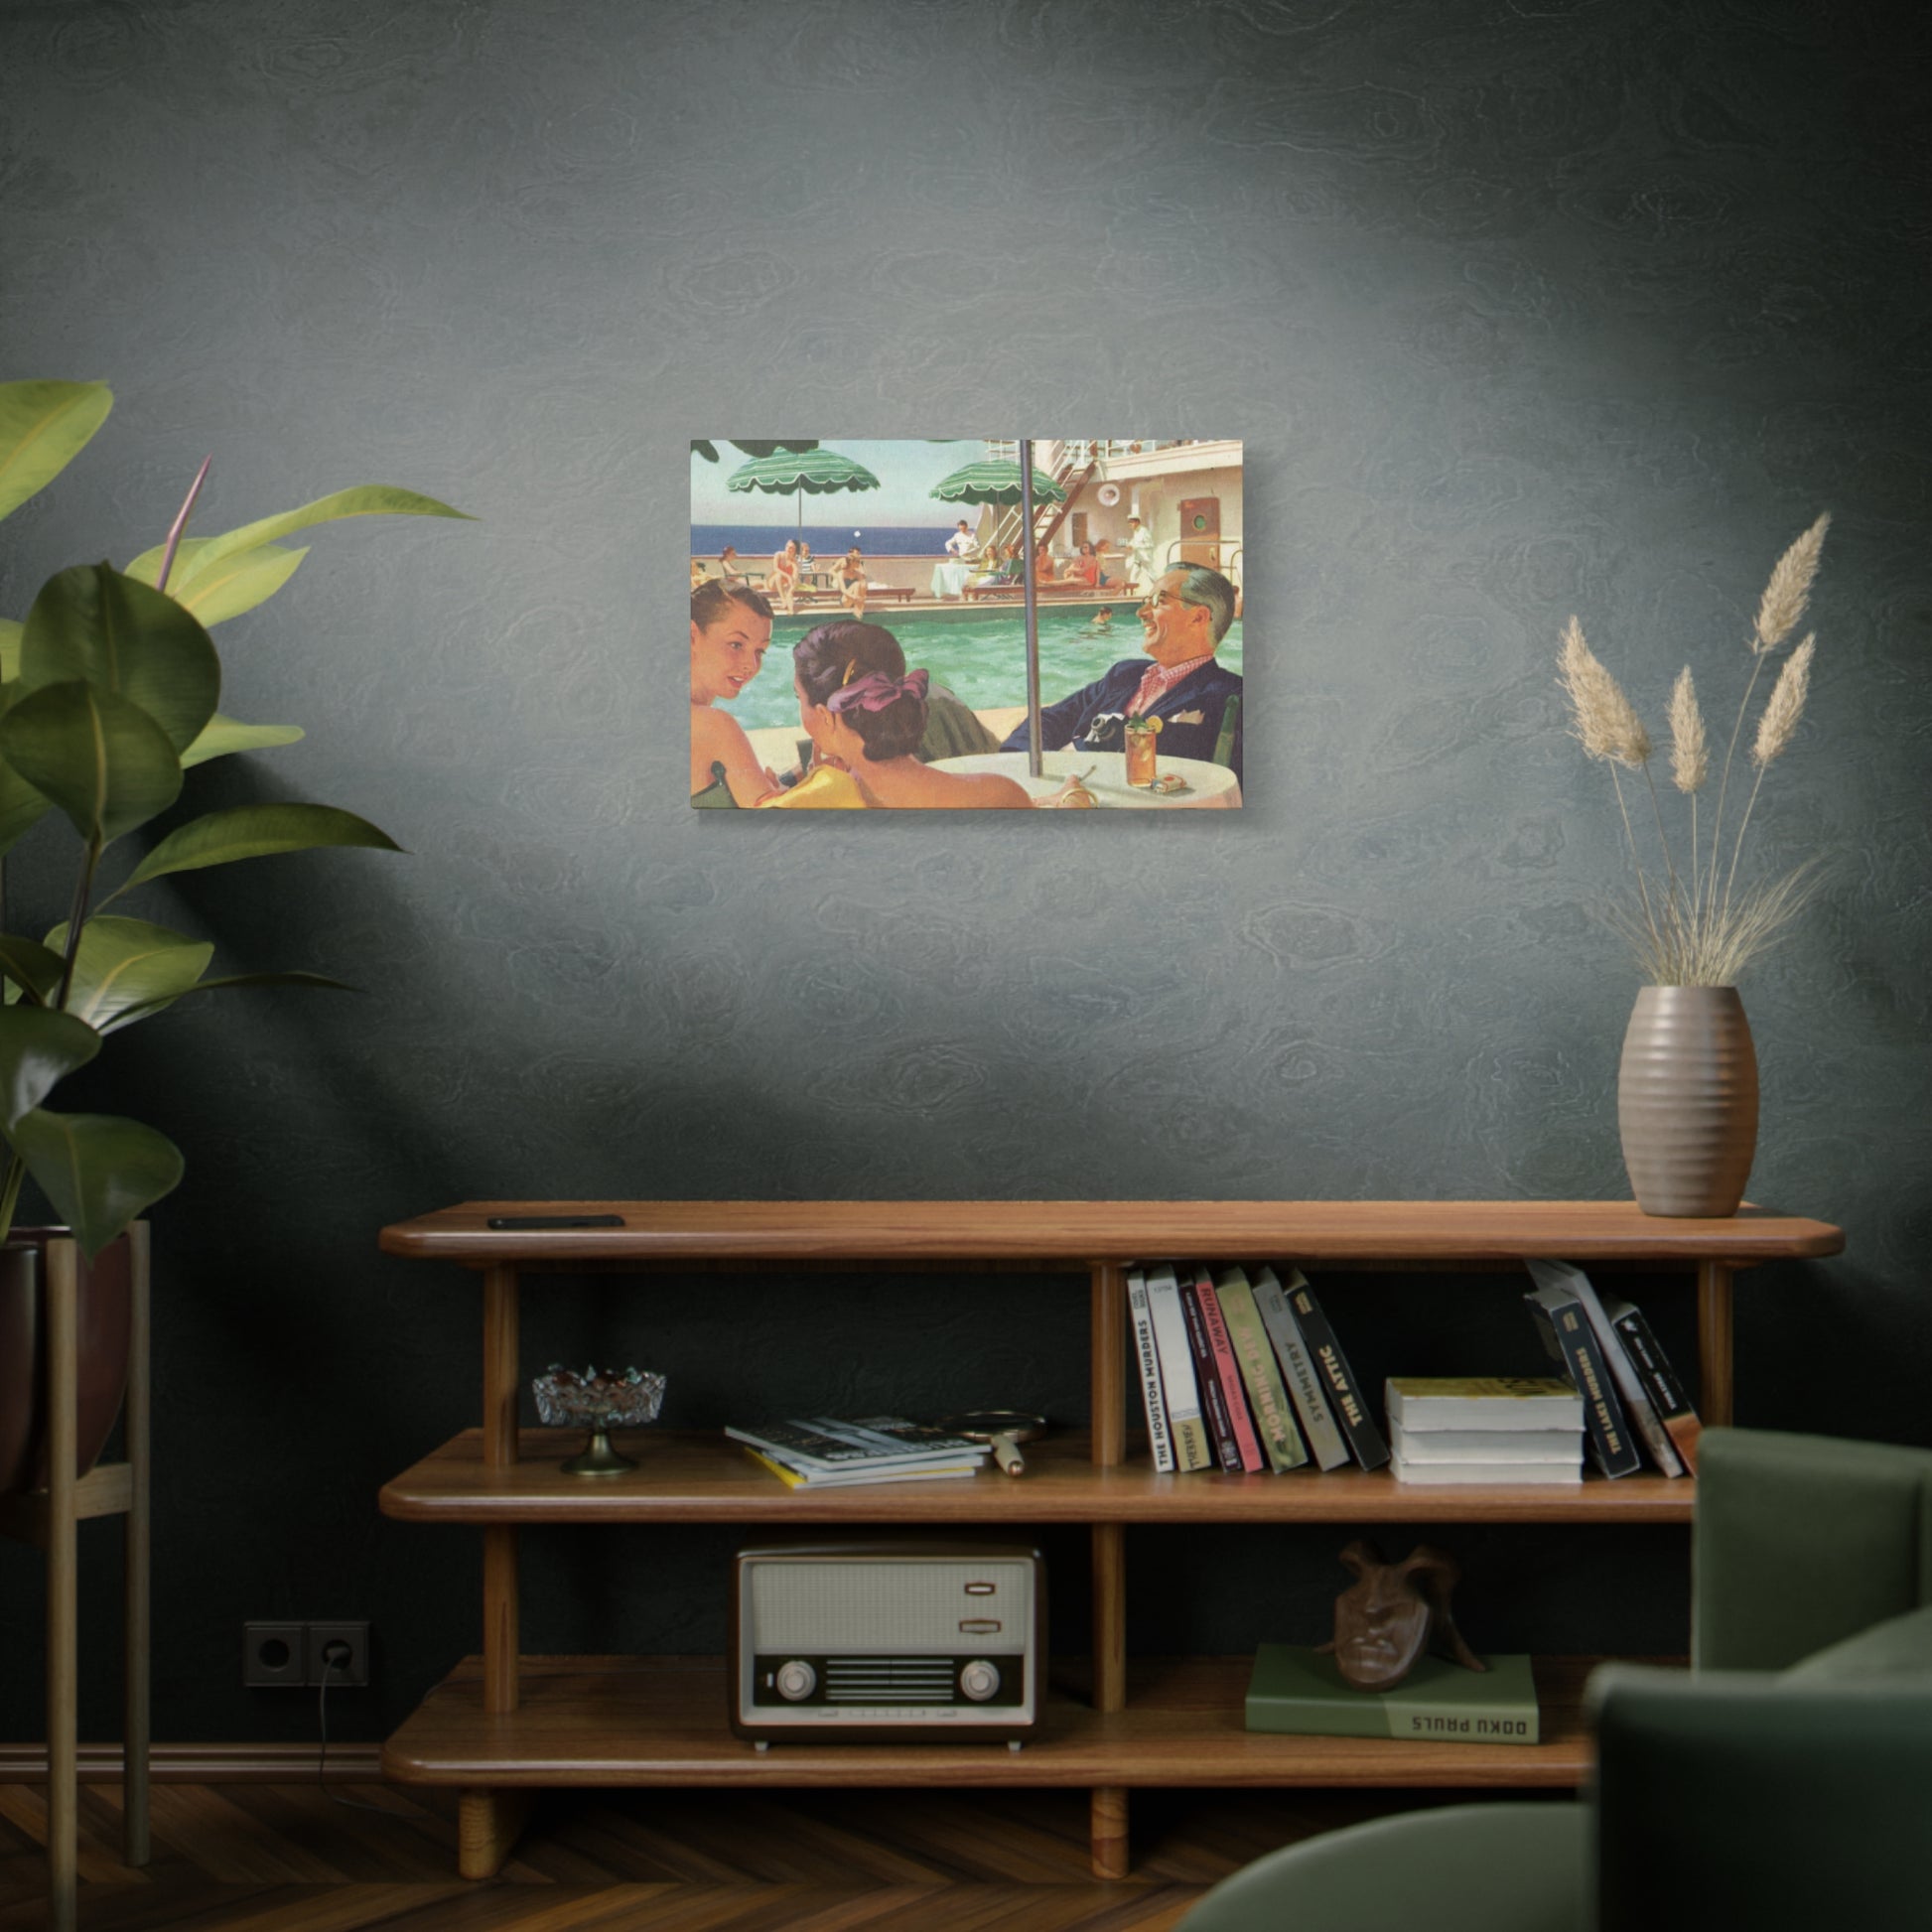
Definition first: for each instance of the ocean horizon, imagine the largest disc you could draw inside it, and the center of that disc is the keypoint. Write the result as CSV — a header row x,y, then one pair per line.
x,y
826,540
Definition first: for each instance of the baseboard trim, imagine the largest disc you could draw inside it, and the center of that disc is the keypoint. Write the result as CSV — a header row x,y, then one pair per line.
x,y
204,1763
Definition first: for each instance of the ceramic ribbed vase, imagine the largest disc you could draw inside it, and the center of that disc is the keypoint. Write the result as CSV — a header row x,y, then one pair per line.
x,y
1686,1100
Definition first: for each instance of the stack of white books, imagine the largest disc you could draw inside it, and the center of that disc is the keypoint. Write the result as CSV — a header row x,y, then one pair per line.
x,y
1495,1429
820,1452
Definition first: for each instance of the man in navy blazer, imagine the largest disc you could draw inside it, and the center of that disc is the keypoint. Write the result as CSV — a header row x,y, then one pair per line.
x,y
1183,621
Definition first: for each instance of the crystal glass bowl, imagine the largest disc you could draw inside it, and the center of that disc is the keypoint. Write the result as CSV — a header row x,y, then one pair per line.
x,y
599,1399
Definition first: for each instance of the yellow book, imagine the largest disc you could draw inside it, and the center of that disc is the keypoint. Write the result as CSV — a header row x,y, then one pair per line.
x,y
854,1479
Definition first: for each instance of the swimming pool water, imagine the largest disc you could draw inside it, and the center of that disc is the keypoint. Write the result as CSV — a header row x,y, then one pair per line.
x,y
982,659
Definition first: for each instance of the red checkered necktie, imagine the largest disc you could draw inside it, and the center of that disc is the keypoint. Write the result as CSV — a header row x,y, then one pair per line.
x,y
1160,681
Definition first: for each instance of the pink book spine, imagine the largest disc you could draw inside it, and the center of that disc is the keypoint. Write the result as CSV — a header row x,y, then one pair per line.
x,y
1229,1371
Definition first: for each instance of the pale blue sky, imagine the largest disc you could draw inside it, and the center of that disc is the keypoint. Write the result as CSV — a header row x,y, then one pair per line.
x,y
907,473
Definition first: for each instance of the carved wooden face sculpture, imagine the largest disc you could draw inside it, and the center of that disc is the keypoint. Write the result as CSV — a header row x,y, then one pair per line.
x,y
1393,1612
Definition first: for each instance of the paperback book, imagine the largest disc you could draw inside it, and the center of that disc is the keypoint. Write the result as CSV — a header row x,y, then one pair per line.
x,y
1498,1445
1660,1380
828,1445
1146,1365
858,1477
1301,1691
1299,1370
1213,1397
1267,1394
1572,1341
1637,1405
1513,1474
1489,1402
1185,1422
1339,1379
1248,1453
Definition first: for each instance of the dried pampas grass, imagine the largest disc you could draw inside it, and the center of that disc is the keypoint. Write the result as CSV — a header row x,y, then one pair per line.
x,y
1779,724
1690,755
1694,926
1789,590
1606,722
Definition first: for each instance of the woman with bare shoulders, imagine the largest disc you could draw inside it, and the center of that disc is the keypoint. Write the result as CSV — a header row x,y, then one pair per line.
x,y
731,631
784,577
865,714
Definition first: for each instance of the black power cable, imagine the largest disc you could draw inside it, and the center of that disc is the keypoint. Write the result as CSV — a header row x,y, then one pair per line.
x,y
335,1655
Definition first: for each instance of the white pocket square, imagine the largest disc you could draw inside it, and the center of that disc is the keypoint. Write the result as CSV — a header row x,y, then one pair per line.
x,y
1187,718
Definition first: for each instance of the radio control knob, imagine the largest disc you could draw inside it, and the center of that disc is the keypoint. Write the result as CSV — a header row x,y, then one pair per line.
x,y
979,1680
796,1680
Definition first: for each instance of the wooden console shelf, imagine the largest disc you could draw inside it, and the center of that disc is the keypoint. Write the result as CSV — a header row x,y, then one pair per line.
x,y
702,1476
503,1723
661,1721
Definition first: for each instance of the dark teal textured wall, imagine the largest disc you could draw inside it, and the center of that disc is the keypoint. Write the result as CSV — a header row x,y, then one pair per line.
x,y
1523,310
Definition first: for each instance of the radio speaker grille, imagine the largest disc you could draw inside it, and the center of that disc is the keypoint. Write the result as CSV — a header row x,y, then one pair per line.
x,y
888,1680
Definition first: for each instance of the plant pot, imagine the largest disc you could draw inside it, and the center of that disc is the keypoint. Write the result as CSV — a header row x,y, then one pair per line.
x,y
1686,1101
104,1325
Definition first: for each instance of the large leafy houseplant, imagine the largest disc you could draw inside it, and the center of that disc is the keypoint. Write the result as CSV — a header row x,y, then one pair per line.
x,y
108,694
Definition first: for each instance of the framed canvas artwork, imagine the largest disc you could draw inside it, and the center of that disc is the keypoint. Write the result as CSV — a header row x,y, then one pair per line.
x,y
979,625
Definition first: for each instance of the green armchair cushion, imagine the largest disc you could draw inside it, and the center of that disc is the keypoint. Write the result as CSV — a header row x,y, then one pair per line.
x,y
1803,1540
1499,1867
1750,1800
1899,1647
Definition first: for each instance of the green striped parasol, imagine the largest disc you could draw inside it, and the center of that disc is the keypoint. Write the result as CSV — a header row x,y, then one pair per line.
x,y
994,479
801,472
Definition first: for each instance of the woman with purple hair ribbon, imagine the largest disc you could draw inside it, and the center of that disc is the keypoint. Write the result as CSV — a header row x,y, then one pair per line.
x,y
866,714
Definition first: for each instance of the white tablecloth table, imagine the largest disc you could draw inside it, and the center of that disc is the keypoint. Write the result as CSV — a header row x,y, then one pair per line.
x,y
949,580
1212,786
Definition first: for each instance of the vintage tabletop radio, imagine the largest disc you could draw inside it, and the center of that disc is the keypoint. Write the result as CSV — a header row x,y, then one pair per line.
x,y
888,1641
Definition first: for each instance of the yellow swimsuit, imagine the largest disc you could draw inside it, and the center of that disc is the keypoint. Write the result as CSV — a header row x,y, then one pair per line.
x,y
826,789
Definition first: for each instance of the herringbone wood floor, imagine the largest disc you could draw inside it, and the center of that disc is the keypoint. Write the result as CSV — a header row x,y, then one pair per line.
x,y
275,1858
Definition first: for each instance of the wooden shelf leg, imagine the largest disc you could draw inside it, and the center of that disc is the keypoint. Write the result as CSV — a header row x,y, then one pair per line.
x,y
488,1824
62,1301
137,1722
1714,1341
1109,1841
500,1639
1108,1829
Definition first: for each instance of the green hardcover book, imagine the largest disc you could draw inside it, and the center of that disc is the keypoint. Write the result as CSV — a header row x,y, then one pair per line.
x,y
1267,1392
1303,1691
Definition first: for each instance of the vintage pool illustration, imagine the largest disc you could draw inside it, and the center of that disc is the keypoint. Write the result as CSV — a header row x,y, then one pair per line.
x,y
876,624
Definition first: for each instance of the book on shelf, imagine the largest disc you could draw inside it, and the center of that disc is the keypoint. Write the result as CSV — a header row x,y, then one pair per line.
x,y
1630,1388
1343,1391
1185,1420
1319,1426
1146,1365
1268,1394
1512,1430
858,1478
1247,1439
1567,1333
1500,1475
1213,1398
827,1444
1660,1380
1302,1693
1489,1402
1499,1445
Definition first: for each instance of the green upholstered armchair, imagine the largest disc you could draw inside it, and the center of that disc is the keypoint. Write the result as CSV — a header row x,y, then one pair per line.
x,y
1785,1781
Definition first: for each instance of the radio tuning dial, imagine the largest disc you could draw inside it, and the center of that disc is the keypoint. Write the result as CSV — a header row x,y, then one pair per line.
x,y
796,1680
979,1680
